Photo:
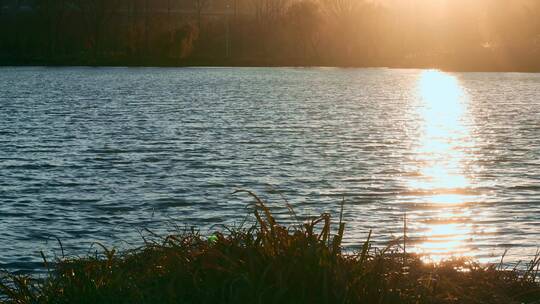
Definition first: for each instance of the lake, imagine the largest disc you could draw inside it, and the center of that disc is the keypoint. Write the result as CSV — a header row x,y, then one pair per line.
x,y
99,154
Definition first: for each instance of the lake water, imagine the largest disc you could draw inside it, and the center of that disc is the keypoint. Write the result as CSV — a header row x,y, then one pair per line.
x,y
98,154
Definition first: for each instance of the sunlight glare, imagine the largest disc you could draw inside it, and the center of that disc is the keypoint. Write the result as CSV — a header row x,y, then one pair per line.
x,y
444,133
441,157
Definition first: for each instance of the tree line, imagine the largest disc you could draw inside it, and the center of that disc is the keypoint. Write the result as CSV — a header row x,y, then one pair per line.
x,y
457,34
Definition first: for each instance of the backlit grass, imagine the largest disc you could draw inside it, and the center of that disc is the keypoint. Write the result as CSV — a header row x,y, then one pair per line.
x,y
269,263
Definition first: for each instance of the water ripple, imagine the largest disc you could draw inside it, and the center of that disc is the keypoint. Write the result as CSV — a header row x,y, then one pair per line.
x,y
98,154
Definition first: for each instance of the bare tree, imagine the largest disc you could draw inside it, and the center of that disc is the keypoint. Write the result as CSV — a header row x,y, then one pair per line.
x,y
169,28
17,26
96,14
200,6
339,8
345,19
305,21
133,20
146,26
533,11
52,13
269,10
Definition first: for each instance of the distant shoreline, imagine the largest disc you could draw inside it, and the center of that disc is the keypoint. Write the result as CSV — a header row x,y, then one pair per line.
x,y
239,63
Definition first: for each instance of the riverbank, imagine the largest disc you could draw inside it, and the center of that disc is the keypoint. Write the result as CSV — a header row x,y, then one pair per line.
x,y
477,66
269,263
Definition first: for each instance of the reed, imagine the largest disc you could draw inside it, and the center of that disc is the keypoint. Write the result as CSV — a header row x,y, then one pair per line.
x,y
269,263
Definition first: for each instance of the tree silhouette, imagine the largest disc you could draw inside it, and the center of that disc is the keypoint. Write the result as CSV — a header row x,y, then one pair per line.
x,y
96,14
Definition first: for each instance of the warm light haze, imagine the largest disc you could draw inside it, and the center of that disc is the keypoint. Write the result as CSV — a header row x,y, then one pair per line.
x,y
479,35
270,151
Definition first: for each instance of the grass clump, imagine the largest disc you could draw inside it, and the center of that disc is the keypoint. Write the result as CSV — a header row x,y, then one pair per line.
x,y
269,263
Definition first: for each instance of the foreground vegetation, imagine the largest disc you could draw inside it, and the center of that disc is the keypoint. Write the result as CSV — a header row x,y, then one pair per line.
x,y
270,263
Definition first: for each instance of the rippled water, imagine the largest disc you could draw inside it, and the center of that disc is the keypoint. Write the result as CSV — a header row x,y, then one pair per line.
x,y
97,154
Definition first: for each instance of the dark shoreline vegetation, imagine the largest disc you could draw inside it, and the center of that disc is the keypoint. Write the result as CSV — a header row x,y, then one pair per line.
x,y
210,63
461,35
270,263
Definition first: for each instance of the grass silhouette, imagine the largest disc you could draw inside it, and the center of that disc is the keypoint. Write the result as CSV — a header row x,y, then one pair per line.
x,y
270,263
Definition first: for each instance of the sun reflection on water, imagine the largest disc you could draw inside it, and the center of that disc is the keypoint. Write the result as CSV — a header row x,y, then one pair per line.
x,y
441,180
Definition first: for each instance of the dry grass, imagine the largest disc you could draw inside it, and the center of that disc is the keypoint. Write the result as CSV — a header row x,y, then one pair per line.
x,y
269,263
